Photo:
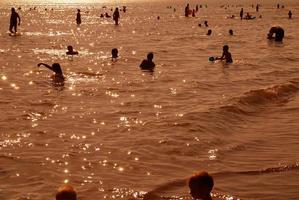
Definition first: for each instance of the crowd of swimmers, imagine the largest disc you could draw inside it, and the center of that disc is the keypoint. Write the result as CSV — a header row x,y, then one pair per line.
x,y
200,188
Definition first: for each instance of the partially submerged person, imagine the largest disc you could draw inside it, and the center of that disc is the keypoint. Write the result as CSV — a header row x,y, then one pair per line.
x,y
58,75
209,32
148,64
78,19
114,54
290,14
14,21
278,32
201,185
66,192
116,16
231,32
226,55
206,23
187,10
70,51
241,13
249,16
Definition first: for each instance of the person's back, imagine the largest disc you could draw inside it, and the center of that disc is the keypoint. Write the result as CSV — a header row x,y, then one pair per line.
x,y
148,64
201,185
66,192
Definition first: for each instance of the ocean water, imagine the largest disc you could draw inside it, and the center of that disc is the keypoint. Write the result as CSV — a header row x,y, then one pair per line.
x,y
116,132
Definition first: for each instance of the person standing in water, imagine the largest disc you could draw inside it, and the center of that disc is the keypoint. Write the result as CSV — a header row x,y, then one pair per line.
x,y
226,55
187,10
290,14
116,16
14,21
148,64
78,19
241,13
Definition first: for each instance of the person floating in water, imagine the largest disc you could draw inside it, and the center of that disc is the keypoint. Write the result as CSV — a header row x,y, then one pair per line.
x,y
279,33
290,14
148,64
114,54
78,19
58,76
241,13
116,16
226,55
201,185
14,21
66,192
70,51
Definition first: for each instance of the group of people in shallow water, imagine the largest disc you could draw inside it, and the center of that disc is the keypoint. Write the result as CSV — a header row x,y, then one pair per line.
x,y
200,186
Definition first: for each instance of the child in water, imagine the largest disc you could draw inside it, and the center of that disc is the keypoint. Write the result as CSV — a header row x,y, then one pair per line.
x,y
58,76
226,55
70,51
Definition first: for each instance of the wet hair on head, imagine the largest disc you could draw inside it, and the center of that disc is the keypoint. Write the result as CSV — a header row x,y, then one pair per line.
x,y
150,56
225,47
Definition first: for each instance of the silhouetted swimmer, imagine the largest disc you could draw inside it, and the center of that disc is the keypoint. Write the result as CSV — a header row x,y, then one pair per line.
x,y
102,15
107,15
290,14
201,185
249,16
66,192
114,53
70,51
187,10
116,16
78,19
196,8
148,64
14,20
199,24
209,32
278,6
226,55
158,18
206,23
231,32
55,68
257,7
279,33
241,13
124,9
193,13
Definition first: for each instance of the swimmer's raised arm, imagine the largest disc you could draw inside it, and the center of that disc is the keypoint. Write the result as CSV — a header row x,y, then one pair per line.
x,y
46,65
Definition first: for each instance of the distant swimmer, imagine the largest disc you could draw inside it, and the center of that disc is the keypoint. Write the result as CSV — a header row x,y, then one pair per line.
x,y
206,23
201,185
107,15
187,10
226,55
116,16
279,33
56,69
278,6
78,19
193,13
290,14
249,17
257,7
14,21
231,32
209,32
66,192
241,13
148,64
70,51
124,9
114,54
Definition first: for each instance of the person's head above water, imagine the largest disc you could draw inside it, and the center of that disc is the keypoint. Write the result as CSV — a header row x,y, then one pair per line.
x,y
150,56
225,48
201,185
78,10
13,9
114,53
70,48
209,32
66,192
230,32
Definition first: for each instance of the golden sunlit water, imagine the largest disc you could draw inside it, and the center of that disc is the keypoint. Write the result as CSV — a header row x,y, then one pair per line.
x,y
116,132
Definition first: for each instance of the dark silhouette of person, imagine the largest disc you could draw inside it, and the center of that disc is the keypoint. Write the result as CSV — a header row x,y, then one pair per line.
x,y
278,6
241,13
199,24
70,51
56,69
114,53
209,32
193,13
279,33
158,18
206,23
107,15
196,8
78,19
231,32
66,192
226,55
290,14
116,16
201,185
14,21
148,64
187,10
257,7
124,9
